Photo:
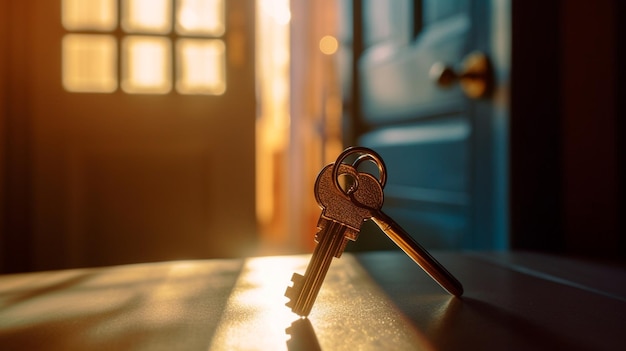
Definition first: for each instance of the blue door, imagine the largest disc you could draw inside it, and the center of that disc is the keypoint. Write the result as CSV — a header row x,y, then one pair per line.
x,y
420,104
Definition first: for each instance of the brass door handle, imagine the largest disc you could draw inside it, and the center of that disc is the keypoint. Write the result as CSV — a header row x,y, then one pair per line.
x,y
476,77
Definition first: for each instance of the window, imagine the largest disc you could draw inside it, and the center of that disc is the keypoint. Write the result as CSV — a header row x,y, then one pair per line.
x,y
153,47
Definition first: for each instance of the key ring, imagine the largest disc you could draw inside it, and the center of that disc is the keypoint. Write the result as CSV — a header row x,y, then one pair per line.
x,y
366,155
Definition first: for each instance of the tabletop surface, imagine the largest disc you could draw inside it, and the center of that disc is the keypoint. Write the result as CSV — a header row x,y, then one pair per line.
x,y
371,301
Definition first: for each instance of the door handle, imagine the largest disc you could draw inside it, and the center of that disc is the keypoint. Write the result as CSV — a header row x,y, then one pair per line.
x,y
475,78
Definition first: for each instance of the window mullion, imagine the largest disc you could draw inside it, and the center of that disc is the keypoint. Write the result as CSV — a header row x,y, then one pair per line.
x,y
119,35
173,39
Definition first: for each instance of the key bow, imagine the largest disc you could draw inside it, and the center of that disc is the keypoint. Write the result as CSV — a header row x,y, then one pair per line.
x,y
349,208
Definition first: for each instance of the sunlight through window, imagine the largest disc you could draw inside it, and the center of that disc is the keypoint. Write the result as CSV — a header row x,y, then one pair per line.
x,y
147,16
201,67
89,63
273,64
145,37
98,15
146,63
200,17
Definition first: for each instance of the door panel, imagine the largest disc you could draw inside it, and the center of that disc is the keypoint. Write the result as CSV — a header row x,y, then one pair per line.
x,y
120,178
444,151
440,150
435,227
427,188
396,83
389,21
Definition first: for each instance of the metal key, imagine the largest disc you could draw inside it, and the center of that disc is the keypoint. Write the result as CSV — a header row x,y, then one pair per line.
x,y
343,213
417,253
393,230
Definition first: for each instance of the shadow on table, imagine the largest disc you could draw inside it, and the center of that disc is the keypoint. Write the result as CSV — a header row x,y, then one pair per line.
x,y
466,321
303,336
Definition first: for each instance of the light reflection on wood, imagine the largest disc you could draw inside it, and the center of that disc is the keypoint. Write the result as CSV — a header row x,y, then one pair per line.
x,y
351,311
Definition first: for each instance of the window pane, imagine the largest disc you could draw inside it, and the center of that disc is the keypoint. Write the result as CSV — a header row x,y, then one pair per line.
x,y
200,66
147,16
204,17
146,65
89,14
89,63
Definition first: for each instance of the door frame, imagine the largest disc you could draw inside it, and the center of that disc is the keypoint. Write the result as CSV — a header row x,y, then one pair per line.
x,y
15,152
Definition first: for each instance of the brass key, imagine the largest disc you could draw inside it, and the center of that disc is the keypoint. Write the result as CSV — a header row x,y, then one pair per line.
x,y
343,213
418,254
393,230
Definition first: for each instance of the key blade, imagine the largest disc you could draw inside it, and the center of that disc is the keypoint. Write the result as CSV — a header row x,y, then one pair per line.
x,y
295,290
305,289
418,254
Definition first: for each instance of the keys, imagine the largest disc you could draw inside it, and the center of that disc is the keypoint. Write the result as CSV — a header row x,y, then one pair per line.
x,y
398,235
343,213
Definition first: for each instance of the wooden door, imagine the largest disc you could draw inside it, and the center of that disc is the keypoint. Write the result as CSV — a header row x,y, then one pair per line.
x,y
142,167
446,153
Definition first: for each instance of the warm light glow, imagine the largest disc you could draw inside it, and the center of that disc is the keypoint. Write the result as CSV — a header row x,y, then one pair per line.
x,y
146,65
255,316
277,10
89,15
200,66
89,63
147,16
273,64
351,312
200,17
328,45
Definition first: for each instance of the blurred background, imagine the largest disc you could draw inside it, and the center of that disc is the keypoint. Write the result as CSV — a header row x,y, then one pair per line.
x,y
149,130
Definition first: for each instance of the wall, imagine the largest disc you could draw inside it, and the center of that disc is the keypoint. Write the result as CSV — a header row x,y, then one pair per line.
x,y
589,117
566,189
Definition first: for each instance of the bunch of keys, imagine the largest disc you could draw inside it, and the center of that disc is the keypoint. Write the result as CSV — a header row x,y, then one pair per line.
x,y
343,213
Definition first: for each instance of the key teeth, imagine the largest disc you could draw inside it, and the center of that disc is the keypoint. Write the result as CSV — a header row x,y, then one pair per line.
x,y
349,235
293,291
341,248
288,294
297,279
321,224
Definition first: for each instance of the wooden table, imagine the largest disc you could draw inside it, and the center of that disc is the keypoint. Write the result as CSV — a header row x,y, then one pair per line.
x,y
372,301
